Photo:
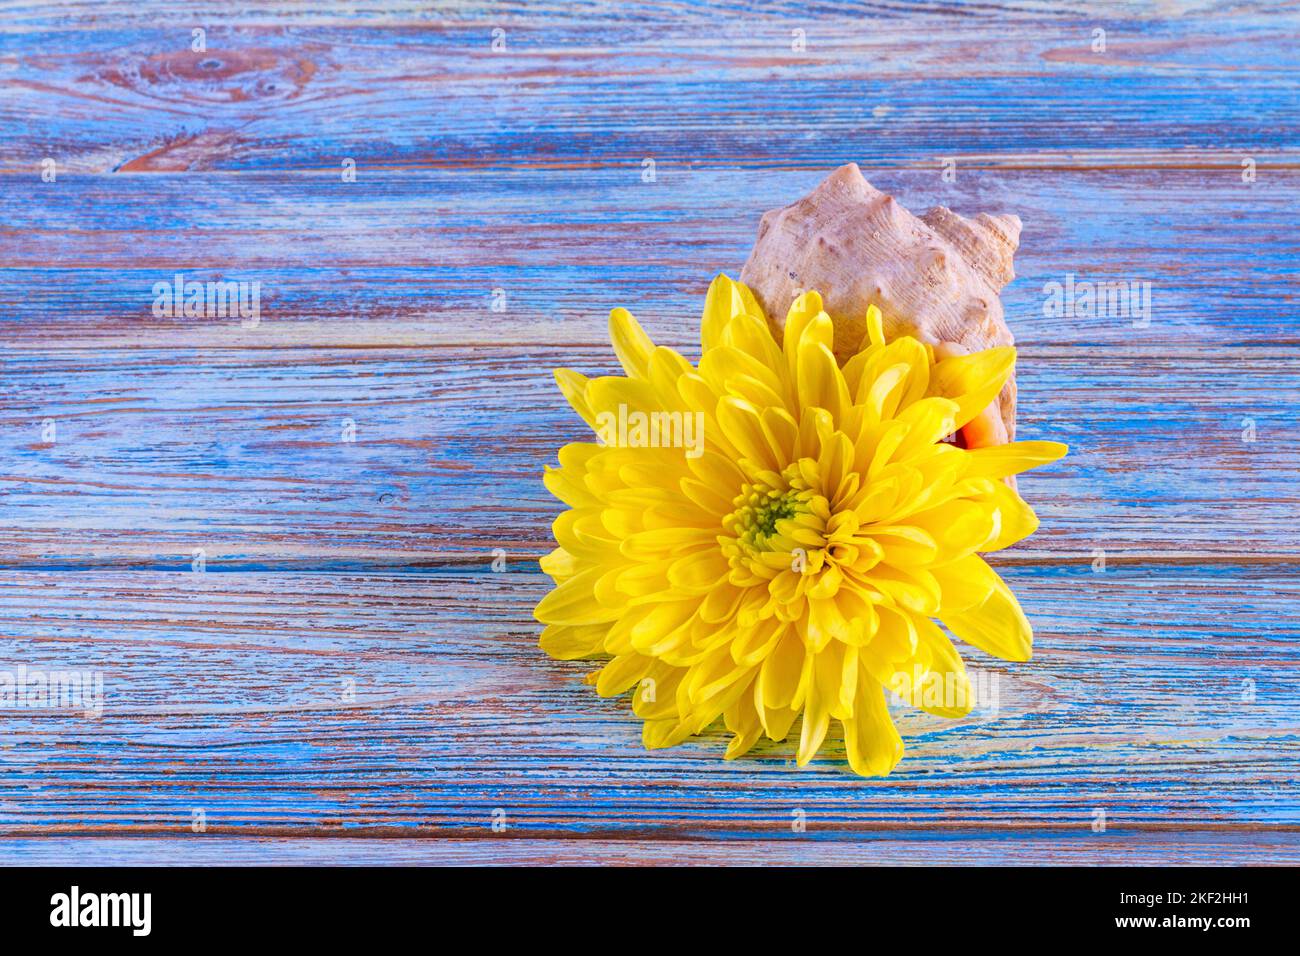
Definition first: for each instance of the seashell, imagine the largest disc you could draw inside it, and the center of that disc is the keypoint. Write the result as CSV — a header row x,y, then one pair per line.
x,y
935,277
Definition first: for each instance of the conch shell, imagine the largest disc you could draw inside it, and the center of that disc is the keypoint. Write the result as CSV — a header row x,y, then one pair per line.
x,y
936,277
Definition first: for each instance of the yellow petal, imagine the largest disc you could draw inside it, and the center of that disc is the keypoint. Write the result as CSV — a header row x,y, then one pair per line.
x,y
965,583
574,602
724,299
875,328
742,720
658,620
748,302
631,344
1012,458
567,642
825,623
825,673
801,313
917,357
819,380
699,572
744,427
997,626
568,487
574,388
884,392
621,673
929,421
804,322
610,396
776,721
753,645
779,678
559,564
903,545
973,380
870,738
669,732
749,333
1016,520
655,696
945,689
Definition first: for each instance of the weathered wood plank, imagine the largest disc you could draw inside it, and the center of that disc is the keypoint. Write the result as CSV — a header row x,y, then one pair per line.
x,y
242,454
920,848
702,84
229,693
415,258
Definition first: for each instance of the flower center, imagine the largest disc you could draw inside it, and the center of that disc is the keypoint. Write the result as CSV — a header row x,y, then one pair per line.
x,y
775,524
760,514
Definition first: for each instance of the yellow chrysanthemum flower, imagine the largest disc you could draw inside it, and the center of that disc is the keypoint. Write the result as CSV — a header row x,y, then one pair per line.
x,y
769,535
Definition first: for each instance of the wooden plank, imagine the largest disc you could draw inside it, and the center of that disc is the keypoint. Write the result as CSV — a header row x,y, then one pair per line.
x,y
241,453
227,693
704,84
412,258
1207,848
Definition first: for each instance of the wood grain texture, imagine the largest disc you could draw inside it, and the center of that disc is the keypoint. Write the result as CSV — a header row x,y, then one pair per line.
x,y
240,452
920,848
411,258
350,682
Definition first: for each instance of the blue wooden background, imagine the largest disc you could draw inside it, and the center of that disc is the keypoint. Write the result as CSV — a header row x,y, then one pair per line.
x,y
349,680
